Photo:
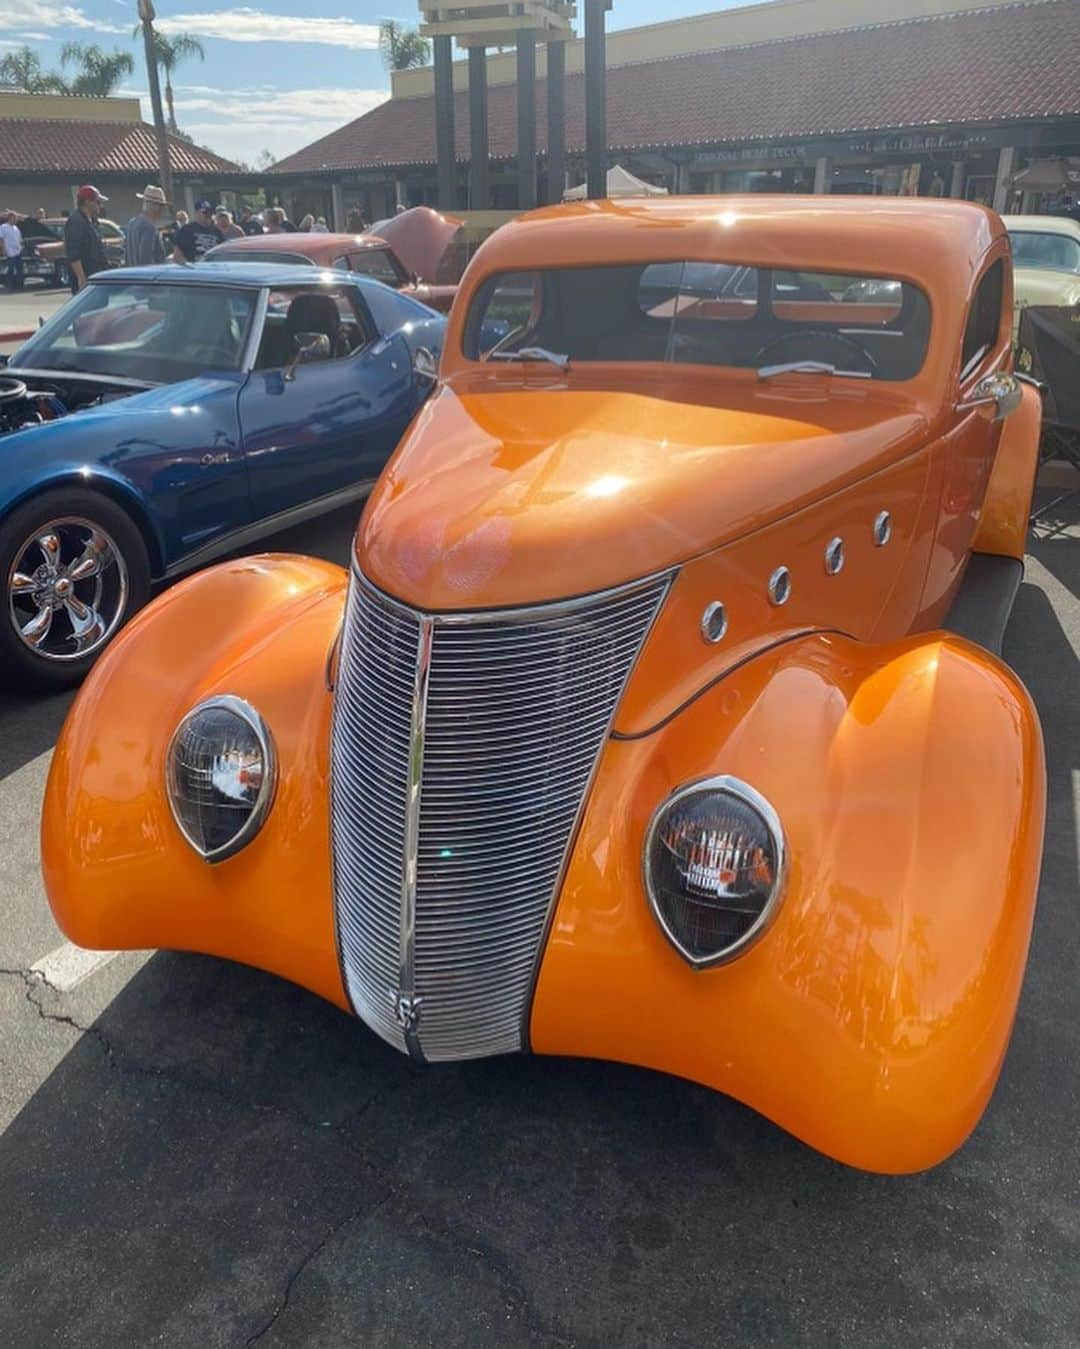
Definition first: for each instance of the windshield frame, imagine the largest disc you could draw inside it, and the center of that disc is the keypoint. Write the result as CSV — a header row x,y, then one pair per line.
x,y
249,346
474,316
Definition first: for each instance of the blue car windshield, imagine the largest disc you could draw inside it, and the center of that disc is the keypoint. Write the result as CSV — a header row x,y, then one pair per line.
x,y
148,331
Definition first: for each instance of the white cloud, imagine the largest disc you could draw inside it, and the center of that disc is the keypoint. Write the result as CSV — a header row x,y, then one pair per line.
x,y
51,14
255,25
244,121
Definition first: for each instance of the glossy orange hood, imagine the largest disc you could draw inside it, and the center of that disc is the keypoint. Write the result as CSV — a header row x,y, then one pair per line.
x,y
517,496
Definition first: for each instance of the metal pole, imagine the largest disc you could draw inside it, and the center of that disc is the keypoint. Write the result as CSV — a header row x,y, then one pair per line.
x,y
146,18
526,119
556,117
595,98
478,129
445,144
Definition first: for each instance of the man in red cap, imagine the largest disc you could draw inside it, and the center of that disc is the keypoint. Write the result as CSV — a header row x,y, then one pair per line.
x,y
82,244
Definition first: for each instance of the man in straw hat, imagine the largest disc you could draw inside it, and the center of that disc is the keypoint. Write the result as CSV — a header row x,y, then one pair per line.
x,y
142,238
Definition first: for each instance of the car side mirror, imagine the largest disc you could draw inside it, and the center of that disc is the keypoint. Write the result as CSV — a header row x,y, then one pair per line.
x,y
1001,391
426,370
309,347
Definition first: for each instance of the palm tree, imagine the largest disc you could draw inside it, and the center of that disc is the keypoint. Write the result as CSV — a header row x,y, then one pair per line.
x,y
22,70
169,52
101,70
401,47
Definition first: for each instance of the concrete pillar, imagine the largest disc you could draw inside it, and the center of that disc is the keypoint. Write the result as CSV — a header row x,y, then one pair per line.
x,y
478,129
401,196
823,168
337,208
959,179
445,144
189,199
526,119
1005,170
556,120
596,147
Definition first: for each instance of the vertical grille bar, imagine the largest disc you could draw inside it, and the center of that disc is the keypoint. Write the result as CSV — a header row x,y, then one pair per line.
x,y
517,707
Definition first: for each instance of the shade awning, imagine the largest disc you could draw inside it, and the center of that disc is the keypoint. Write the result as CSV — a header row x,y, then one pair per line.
x,y
1049,175
620,183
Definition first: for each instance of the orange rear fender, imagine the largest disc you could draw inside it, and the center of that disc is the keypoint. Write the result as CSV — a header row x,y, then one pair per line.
x,y
118,873
872,1017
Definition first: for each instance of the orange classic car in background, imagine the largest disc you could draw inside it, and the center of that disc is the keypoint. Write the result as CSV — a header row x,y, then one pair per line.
x,y
657,717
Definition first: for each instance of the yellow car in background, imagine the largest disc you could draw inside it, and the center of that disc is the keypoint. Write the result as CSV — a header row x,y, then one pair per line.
x,y
1046,261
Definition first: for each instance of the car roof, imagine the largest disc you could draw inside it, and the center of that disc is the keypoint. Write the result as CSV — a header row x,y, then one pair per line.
x,y
929,242
1044,224
249,275
308,245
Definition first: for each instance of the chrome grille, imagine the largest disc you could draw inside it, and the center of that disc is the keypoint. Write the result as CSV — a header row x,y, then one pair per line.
x,y
507,712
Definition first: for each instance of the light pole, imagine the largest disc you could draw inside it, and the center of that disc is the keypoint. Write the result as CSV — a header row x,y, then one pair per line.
x,y
146,18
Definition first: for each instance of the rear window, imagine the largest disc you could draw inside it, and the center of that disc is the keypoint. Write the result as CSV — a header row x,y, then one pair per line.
x,y
705,313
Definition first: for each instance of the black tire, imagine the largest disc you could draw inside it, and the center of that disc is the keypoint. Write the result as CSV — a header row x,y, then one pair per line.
x,y
123,588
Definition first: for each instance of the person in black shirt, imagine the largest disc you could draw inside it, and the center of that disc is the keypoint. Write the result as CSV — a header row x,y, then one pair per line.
x,y
248,222
194,239
83,248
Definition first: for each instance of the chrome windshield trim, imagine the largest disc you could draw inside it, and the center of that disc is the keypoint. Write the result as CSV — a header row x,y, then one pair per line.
x,y
120,380
255,332
408,1005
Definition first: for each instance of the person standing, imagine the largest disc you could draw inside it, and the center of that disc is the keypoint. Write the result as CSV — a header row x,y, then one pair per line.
x,y
249,222
11,238
83,248
306,223
143,244
320,226
198,236
225,223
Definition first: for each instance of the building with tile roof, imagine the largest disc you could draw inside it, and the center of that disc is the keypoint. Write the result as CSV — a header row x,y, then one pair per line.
x,y
52,143
948,97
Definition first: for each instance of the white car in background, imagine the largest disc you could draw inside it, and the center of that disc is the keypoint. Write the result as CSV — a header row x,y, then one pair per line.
x,y
1046,260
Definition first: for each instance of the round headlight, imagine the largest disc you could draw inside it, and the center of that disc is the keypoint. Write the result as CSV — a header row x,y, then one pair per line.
x,y
714,865
220,776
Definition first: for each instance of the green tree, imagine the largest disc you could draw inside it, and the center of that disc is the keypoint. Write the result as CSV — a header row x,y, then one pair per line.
x,y
100,72
22,70
169,52
401,47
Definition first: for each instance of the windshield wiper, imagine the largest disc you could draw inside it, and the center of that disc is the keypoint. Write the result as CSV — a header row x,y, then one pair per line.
x,y
532,354
809,368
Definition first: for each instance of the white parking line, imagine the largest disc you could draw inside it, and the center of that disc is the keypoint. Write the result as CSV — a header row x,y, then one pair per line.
x,y
69,965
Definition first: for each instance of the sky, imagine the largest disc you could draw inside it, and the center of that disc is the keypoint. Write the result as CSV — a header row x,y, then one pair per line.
x,y
278,74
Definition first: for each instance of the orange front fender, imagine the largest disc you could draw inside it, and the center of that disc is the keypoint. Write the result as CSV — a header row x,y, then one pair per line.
x,y
872,1018
117,871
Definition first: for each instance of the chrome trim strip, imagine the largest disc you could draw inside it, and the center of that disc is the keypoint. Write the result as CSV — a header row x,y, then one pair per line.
x,y
733,787
270,524
408,1005
255,332
137,384
239,707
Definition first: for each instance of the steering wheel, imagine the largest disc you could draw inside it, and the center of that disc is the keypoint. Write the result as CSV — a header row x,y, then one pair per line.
x,y
807,346
11,389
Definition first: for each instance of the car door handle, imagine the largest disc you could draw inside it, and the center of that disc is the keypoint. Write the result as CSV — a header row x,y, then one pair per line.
x,y
209,459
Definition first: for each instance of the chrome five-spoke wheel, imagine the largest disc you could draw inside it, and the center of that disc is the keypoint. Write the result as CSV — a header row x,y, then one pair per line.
x,y
67,589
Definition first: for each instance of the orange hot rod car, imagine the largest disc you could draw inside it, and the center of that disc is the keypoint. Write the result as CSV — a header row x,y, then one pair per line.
x,y
657,717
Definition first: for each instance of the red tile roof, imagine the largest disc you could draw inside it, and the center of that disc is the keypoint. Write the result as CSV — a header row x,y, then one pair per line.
x,y
83,149
983,65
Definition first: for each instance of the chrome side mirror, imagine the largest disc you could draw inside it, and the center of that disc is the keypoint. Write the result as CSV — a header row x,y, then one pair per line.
x,y
426,369
309,347
1000,390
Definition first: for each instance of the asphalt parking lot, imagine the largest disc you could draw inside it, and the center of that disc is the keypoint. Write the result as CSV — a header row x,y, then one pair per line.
x,y
196,1154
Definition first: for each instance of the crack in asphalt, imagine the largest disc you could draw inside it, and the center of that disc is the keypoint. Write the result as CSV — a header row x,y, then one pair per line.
x,y
362,1211
34,981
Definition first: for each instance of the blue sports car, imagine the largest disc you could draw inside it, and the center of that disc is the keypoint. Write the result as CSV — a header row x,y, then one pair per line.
x,y
169,415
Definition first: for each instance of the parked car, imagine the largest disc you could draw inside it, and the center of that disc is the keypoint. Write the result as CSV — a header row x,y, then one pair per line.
x,y
656,717
44,252
406,253
166,416
1046,261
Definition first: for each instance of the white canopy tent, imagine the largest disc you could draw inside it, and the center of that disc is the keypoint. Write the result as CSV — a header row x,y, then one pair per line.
x,y
620,183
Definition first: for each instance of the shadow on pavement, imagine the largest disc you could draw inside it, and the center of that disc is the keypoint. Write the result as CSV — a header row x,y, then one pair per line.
x,y
29,725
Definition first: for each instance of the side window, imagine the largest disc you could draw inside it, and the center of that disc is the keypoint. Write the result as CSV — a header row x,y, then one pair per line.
x,y
378,263
298,309
984,321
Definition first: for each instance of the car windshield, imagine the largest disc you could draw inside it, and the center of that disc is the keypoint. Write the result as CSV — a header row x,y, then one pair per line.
x,y
704,313
157,333
1037,248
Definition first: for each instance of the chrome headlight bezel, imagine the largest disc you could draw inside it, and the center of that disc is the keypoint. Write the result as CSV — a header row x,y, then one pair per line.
x,y
743,792
255,722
